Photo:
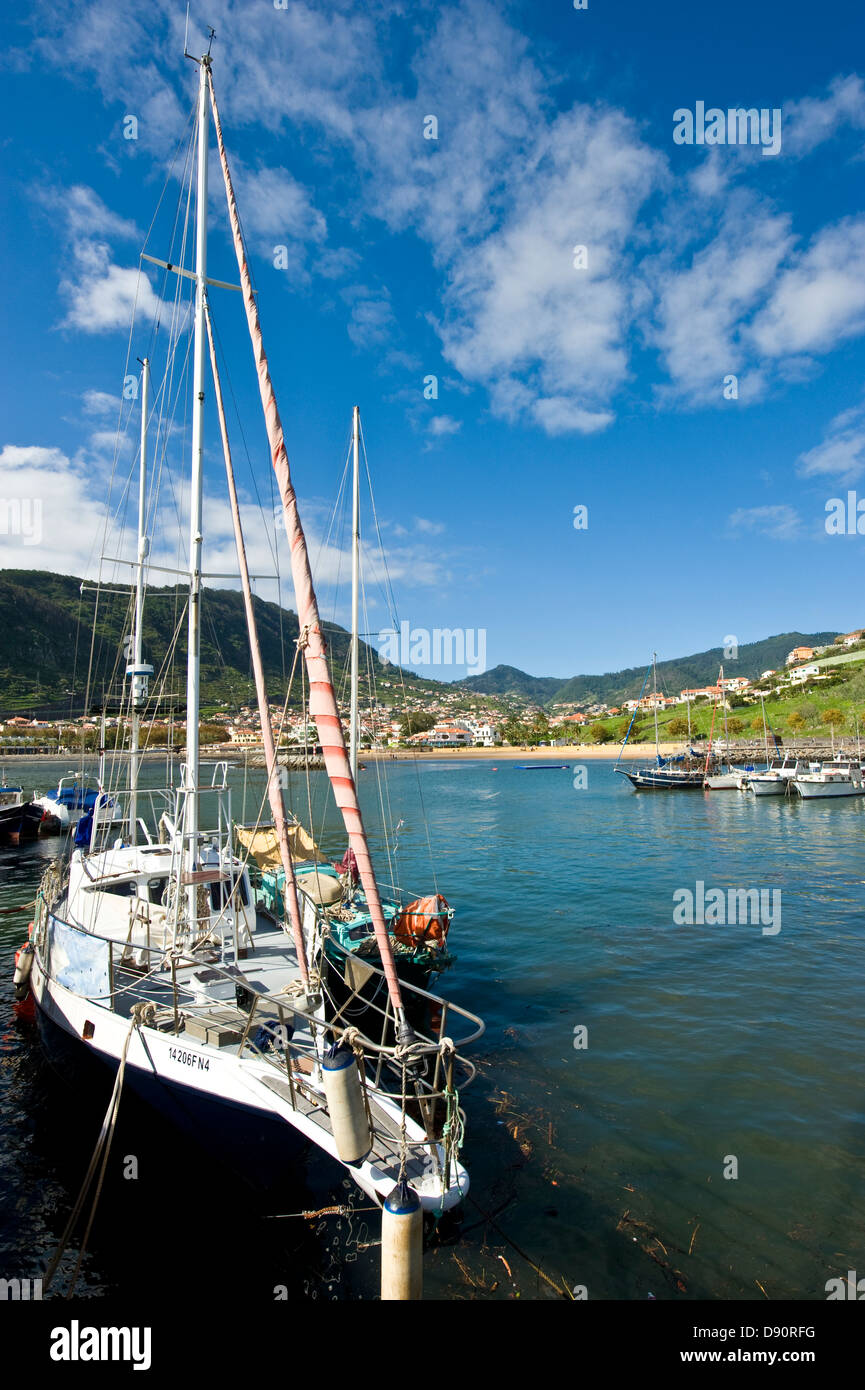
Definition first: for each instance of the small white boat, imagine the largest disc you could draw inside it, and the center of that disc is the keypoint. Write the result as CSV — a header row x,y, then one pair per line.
x,y
76,796
729,780
775,780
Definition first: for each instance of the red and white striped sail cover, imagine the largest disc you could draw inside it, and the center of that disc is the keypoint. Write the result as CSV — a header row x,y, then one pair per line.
x,y
322,700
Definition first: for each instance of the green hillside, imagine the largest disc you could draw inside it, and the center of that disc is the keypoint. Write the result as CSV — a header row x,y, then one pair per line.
x,y
48,626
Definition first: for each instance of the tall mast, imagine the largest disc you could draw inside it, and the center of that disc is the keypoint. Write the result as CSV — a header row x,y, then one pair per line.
x,y
274,786
723,699
137,671
765,733
355,588
655,701
193,666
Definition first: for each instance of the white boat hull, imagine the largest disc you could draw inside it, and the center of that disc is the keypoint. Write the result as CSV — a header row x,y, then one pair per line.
x,y
810,791
768,786
182,1077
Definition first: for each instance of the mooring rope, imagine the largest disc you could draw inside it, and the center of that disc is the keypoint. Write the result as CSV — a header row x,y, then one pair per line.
x,y
101,1151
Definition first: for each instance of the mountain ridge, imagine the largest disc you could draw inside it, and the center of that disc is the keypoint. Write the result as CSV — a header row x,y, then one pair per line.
x,y
674,674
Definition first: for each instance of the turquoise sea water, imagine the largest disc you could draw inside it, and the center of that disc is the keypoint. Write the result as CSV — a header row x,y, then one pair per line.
x,y
710,1049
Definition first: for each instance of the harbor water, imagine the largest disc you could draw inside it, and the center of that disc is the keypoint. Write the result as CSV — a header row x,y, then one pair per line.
x,y
666,1108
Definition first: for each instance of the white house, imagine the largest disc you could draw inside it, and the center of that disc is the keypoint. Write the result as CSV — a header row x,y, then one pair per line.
x,y
485,734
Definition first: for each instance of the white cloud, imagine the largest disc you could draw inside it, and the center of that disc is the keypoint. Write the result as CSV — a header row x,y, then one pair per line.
x,y
443,424
84,213
100,294
371,322
780,523
430,528
558,415
275,204
704,307
546,336
104,295
819,300
499,199
841,454
44,484
811,121
100,403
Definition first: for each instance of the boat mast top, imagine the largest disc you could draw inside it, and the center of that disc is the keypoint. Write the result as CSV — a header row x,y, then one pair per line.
x,y
354,729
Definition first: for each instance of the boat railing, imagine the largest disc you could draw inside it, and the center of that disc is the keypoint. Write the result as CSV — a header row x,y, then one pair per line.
x,y
161,982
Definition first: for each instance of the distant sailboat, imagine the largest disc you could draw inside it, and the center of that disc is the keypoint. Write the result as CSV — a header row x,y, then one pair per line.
x,y
667,774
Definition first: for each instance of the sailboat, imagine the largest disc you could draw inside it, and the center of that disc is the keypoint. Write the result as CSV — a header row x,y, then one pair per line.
x,y
726,777
147,950
761,780
667,774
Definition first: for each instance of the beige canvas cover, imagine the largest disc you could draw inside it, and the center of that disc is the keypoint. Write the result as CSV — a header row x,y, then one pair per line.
x,y
263,845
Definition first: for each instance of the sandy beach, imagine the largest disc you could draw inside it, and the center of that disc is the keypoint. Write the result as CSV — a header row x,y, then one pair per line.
x,y
231,753
573,751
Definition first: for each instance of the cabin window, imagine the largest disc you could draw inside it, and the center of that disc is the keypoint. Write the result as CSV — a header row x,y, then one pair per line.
x,y
156,889
120,890
221,892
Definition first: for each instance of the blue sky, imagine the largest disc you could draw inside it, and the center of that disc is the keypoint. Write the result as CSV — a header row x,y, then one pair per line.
x,y
407,257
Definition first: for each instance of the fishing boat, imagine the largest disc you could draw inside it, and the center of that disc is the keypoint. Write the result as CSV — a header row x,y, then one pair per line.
x,y
19,819
776,780
678,773
840,777
148,950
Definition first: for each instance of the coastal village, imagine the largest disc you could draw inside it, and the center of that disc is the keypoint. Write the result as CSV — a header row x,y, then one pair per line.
x,y
451,716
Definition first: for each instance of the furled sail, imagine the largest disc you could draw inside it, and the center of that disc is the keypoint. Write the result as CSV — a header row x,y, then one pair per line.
x,y
322,699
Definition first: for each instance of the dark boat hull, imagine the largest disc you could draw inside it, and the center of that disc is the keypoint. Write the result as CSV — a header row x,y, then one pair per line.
x,y
253,1144
648,780
19,823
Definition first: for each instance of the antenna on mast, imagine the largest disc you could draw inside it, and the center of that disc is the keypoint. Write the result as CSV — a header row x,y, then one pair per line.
x,y
186,53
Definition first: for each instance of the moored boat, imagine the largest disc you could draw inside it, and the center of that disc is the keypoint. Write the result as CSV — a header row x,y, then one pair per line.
x,y
19,819
842,777
679,773
776,779
150,953
75,796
